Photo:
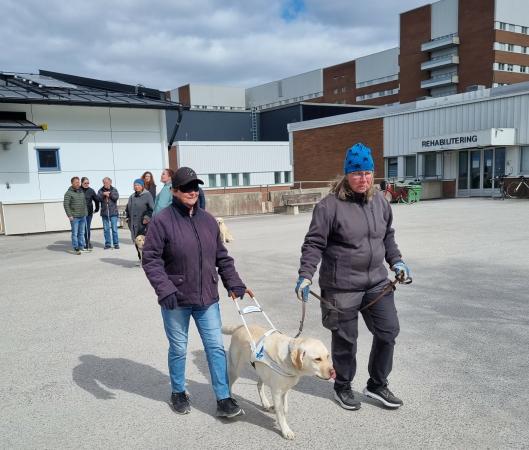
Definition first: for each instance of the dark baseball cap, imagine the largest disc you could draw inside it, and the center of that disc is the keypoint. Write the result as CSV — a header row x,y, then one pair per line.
x,y
183,176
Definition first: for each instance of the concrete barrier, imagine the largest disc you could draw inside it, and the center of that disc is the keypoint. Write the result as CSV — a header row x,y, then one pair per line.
x,y
236,204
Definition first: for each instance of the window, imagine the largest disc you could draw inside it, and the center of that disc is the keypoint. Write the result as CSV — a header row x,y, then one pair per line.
x,y
336,91
524,49
392,167
524,30
512,27
501,66
48,159
224,179
510,67
501,46
235,179
524,166
503,26
277,177
510,47
410,166
212,180
343,89
287,176
430,165
246,179
523,69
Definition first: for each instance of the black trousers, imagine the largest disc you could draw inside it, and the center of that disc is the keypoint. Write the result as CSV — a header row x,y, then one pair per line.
x,y
381,320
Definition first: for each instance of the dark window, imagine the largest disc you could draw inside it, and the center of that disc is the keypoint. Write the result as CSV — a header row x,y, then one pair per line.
x,y
392,168
212,179
246,179
277,177
287,176
48,159
235,179
410,166
224,179
463,170
430,165
524,165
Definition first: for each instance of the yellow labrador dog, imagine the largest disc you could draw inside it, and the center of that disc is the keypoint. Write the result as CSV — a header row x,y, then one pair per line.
x,y
225,234
140,242
287,358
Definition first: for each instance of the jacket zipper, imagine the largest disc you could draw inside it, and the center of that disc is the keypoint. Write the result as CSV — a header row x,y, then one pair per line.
x,y
373,214
199,259
370,247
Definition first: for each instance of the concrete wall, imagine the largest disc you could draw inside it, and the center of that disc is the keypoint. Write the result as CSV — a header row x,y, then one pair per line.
x,y
444,18
512,11
378,65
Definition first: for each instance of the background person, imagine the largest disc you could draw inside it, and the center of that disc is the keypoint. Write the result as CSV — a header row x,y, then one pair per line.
x,y
165,197
91,199
139,211
201,199
150,185
75,207
108,195
351,233
181,256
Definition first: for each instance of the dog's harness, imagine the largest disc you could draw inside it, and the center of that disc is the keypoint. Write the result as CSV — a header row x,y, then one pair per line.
x,y
259,354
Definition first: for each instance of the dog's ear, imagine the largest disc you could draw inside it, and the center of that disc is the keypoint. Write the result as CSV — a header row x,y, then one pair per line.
x,y
296,355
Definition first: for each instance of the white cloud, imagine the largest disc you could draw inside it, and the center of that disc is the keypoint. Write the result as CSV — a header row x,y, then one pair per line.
x,y
165,44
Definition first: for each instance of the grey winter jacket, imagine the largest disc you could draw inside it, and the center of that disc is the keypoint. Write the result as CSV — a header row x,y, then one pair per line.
x,y
74,203
109,206
138,207
351,239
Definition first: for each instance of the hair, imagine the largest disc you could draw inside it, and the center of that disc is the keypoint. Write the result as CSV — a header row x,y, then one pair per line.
x,y
148,184
84,179
341,188
107,178
170,172
73,179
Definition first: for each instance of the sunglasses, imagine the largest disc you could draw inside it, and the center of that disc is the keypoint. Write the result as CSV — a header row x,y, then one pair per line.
x,y
187,188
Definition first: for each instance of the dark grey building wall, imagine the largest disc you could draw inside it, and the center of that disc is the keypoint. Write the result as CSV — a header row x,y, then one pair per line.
x,y
211,126
273,123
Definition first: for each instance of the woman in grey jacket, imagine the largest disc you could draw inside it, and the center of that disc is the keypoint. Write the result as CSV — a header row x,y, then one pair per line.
x,y
351,234
139,211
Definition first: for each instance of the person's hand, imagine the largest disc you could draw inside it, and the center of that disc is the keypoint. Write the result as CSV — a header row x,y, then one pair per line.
x,y
70,218
402,272
106,193
169,302
303,289
239,291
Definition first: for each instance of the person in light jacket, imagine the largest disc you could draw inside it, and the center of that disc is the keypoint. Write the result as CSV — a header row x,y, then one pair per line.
x,y
183,258
139,211
165,197
352,233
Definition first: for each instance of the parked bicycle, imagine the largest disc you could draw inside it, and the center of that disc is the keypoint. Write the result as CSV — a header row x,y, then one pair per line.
x,y
499,182
394,193
520,189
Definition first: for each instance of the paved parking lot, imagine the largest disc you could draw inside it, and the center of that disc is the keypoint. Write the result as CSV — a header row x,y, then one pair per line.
x,y
83,352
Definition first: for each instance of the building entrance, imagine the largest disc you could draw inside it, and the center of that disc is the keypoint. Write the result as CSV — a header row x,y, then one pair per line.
x,y
476,170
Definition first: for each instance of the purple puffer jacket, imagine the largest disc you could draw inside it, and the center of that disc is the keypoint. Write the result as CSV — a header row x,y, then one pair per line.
x,y
182,253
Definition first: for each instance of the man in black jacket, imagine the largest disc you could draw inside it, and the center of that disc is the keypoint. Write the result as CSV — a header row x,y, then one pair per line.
x,y
108,195
91,199
351,233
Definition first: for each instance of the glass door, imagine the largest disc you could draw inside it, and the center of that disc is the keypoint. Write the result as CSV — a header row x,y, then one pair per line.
x,y
476,171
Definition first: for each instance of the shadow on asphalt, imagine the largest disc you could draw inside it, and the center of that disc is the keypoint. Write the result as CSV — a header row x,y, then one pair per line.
x,y
121,262
101,376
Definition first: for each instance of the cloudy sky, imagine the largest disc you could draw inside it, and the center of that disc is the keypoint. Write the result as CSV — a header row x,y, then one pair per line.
x,y
168,43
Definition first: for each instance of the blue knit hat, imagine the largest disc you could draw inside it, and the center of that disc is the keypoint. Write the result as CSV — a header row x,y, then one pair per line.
x,y
139,181
357,158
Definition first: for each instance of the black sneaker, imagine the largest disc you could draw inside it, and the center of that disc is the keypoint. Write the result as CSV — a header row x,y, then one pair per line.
x,y
116,247
107,247
180,402
77,251
384,395
346,399
228,407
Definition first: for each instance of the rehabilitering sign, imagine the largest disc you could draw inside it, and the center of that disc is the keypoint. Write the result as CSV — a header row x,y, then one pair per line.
x,y
479,138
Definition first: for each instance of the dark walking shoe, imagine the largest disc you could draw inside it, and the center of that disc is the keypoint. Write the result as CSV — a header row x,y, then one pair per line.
x,y
76,251
116,247
180,402
107,247
346,399
384,395
228,407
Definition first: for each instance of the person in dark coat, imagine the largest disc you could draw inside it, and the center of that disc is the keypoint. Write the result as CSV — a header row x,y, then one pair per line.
x,y
351,234
108,196
149,184
139,211
91,200
181,256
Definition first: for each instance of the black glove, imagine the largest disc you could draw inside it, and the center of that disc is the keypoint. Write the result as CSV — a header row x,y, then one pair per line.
x,y
239,291
169,302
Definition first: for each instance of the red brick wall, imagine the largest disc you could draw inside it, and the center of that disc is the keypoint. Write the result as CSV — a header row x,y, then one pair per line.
x,y
415,29
184,95
319,153
340,76
449,189
476,34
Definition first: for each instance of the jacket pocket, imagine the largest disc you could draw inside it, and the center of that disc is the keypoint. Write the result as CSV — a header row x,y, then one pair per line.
x,y
177,280
215,277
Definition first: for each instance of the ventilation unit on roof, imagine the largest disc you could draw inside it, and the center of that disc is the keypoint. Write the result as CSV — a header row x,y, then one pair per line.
x,y
475,87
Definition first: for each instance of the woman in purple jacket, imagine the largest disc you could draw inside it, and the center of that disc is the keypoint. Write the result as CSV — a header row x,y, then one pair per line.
x,y
182,253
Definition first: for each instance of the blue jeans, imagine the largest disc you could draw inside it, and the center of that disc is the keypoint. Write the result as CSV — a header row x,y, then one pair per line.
x,y
109,224
87,230
207,320
78,228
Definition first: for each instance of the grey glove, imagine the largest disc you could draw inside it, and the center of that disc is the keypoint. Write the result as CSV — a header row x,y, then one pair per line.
x,y
169,302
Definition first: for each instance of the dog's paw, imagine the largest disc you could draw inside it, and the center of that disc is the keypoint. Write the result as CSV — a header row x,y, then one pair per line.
x,y
288,434
268,408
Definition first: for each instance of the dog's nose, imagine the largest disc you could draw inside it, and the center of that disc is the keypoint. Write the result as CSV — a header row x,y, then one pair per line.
x,y
333,374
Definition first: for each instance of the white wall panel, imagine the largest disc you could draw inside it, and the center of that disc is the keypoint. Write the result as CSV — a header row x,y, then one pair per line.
x,y
444,18
377,65
80,118
512,11
131,119
212,95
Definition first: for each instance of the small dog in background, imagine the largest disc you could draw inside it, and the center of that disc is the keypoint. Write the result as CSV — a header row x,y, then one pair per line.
x,y
225,234
140,242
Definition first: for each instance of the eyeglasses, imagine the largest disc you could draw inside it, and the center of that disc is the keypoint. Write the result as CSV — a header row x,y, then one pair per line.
x,y
358,175
187,188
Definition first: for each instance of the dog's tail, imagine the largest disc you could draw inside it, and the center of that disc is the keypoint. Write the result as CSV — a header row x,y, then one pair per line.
x,y
230,329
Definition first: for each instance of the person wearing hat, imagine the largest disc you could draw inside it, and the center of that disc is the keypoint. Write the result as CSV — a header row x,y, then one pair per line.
x,y
139,211
183,257
351,233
